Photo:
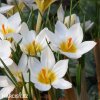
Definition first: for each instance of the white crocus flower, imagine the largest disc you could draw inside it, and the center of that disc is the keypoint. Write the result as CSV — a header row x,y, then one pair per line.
x,y
69,41
47,73
17,71
71,20
5,52
10,26
7,87
31,43
5,8
20,69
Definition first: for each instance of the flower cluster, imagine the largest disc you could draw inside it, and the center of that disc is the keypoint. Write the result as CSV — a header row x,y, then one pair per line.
x,y
38,63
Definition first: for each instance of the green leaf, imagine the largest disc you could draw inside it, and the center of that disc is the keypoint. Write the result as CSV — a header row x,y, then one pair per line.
x,y
78,78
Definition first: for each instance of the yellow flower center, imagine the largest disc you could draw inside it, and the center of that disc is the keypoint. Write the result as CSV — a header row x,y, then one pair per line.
x,y
68,46
46,76
7,30
33,48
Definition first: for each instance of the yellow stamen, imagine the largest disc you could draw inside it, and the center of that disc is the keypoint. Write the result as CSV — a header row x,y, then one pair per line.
x,y
7,30
33,48
46,76
3,29
68,46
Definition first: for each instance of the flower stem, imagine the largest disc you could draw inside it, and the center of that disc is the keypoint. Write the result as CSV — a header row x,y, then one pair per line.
x,y
30,94
71,2
24,84
53,93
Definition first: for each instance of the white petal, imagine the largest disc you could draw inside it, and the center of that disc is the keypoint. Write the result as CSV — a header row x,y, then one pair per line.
x,y
5,50
23,48
15,19
6,91
62,84
47,58
76,33
60,29
23,62
28,37
72,55
53,37
34,78
26,76
43,43
42,87
34,65
3,81
60,68
54,47
6,8
60,13
88,25
24,28
1,36
4,20
17,37
74,20
7,61
41,36
84,47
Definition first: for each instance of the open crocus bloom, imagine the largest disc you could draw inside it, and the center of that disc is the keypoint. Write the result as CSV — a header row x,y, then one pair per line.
x,y
47,73
69,41
32,44
5,52
19,70
71,20
7,87
9,26
5,8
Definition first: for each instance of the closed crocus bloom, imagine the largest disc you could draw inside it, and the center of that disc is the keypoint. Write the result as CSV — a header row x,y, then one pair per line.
x,y
47,73
9,26
43,4
5,53
68,20
71,20
69,41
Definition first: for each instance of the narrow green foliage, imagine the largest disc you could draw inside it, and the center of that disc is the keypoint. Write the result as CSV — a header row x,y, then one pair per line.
x,y
78,78
30,20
